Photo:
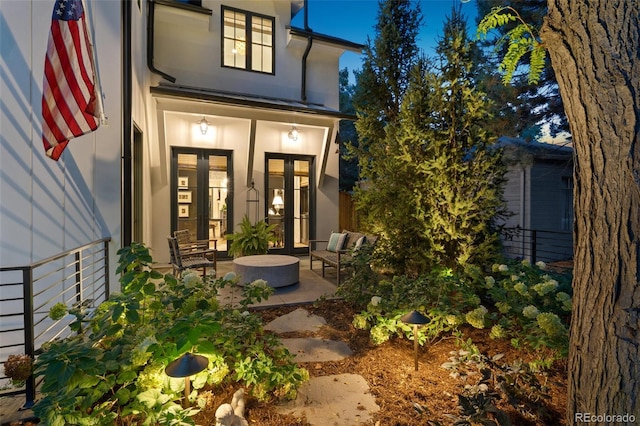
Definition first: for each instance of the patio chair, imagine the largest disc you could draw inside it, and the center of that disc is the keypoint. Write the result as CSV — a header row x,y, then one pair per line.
x,y
187,244
189,260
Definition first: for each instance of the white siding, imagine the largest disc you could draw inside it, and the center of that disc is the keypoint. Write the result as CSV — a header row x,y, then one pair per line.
x,y
47,207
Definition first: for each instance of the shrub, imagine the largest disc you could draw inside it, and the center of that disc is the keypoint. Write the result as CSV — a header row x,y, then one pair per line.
x,y
442,295
532,304
114,368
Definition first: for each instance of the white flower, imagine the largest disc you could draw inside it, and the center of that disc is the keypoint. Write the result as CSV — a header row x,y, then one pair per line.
x,y
375,300
191,280
230,276
530,311
489,281
503,268
540,264
260,283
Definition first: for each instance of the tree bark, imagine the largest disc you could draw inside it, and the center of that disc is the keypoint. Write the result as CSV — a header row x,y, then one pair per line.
x,y
595,52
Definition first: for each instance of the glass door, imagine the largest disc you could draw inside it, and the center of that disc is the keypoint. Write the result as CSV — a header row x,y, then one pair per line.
x,y
289,203
202,194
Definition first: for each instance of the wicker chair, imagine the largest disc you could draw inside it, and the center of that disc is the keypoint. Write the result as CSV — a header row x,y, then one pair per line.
x,y
190,260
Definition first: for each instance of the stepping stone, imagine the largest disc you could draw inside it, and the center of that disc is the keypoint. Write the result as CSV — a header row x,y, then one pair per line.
x,y
316,350
298,320
338,400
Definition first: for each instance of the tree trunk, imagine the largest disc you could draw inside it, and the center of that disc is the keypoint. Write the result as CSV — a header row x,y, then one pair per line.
x,y
594,48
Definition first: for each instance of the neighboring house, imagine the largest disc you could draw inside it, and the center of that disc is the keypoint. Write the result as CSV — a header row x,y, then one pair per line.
x,y
539,195
204,100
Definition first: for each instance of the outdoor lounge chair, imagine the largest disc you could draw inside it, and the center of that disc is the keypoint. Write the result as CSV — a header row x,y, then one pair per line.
x,y
191,259
338,250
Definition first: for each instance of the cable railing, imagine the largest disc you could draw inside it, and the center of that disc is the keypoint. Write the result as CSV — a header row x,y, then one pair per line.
x,y
76,278
536,245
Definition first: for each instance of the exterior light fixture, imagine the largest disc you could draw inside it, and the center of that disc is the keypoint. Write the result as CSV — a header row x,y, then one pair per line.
x,y
293,133
204,126
278,202
186,366
415,318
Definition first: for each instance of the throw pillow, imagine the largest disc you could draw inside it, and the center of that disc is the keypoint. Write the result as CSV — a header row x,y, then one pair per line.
x,y
359,243
336,241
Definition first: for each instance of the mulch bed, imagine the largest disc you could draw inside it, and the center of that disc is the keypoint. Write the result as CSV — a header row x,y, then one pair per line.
x,y
405,396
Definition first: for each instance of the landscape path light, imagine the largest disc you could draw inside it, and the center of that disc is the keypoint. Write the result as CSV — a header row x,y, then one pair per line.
x,y
186,366
415,318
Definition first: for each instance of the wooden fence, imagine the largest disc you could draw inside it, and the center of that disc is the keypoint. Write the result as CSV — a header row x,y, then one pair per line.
x,y
348,217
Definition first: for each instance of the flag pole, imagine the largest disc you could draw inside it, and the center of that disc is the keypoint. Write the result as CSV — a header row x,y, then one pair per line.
x,y
103,118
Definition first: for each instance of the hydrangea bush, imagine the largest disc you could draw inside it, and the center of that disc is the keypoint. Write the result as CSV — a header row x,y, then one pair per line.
x,y
112,371
533,305
516,300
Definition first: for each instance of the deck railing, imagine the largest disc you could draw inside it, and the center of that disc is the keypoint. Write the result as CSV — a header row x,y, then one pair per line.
x,y
77,277
535,245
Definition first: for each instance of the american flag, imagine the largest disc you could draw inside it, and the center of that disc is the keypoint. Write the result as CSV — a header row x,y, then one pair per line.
x,y
70,105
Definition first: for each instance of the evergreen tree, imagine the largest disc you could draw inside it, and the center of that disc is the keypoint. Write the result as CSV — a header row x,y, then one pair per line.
x,y
456,173
380,86
434,179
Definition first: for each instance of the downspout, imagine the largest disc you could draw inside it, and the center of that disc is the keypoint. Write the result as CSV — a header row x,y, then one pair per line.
x,y
150,44
303,88
126,168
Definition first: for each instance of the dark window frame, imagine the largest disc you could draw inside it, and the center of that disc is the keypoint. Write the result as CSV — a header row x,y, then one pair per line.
x,y
249,40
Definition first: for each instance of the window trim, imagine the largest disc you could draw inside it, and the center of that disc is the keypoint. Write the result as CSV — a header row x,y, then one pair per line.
x,y
249,41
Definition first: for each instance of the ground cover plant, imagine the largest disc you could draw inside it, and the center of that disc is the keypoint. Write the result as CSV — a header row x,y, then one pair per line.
x,y
515,302
112,370
522,303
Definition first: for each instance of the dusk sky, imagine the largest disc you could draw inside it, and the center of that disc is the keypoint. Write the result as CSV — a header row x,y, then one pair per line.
x,y
354,20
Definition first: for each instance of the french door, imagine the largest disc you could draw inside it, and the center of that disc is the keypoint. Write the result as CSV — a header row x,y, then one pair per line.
x,y
290,201
202,193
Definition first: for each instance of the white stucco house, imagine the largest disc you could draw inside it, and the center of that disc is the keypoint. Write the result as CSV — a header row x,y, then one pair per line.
x,y
216,109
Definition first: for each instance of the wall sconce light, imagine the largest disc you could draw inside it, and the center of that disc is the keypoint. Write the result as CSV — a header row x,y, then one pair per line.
x,y
185,366
293,133
278,202
415,318
204,126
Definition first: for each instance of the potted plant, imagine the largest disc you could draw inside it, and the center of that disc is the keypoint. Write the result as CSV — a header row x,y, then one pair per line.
x,y
251,239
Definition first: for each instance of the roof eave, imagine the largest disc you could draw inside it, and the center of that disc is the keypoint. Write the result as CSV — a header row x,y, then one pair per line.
x,y
249,101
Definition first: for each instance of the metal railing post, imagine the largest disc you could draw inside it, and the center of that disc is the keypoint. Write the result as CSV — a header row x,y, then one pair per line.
x,y
29,332
106,269
534,246
78,274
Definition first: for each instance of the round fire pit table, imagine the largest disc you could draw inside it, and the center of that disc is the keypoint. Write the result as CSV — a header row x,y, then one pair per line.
x,y
276,269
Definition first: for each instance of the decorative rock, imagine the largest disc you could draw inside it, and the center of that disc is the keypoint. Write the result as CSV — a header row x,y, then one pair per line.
x,y
333,400
311,349
298,320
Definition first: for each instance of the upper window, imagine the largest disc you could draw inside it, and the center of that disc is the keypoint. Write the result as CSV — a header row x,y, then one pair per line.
x,y
247,49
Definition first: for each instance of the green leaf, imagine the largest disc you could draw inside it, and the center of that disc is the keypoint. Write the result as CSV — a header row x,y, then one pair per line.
x,y
117,312
152,398
132,316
